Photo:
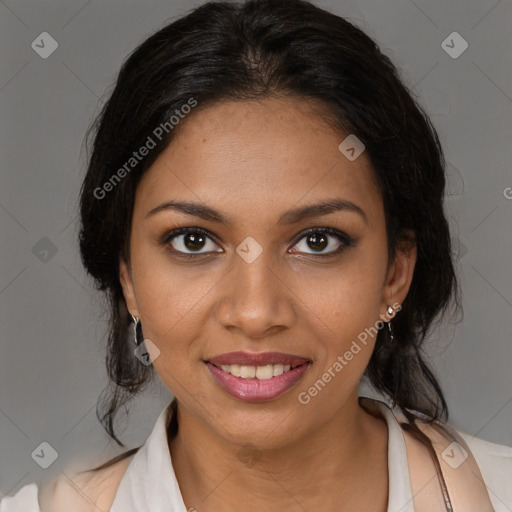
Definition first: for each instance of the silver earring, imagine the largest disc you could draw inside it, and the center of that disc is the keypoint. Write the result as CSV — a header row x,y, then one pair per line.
x,y
391,337
136,324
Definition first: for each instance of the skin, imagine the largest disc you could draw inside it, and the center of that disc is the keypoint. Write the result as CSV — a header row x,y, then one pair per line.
x,y
253,161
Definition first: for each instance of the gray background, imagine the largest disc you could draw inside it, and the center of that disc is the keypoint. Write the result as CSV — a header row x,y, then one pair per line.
x,y
52,323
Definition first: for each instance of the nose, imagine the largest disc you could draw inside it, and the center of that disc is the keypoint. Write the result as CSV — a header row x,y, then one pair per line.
x,y
256,299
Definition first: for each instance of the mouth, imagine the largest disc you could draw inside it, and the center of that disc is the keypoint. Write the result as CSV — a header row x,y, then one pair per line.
x,y
257,377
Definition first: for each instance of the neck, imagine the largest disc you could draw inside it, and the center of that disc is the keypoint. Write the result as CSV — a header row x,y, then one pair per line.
x,y
338,467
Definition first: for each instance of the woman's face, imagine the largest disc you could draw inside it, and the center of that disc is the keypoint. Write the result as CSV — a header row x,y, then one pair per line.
x,y
255,282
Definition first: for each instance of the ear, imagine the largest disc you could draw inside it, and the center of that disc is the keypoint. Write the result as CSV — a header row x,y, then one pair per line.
x,y
126,280
400,273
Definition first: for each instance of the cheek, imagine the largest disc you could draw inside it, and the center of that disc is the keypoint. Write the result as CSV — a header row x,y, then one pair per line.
x,y
174,307
341,313
345,297
172,299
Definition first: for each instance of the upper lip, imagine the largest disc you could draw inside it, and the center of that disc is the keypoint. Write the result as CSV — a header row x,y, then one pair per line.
x,y
257,359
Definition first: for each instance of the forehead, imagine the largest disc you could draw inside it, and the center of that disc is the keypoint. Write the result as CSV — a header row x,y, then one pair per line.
x,y
267,154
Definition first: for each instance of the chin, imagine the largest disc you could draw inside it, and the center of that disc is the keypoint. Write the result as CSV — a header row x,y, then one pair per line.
x,y
265,430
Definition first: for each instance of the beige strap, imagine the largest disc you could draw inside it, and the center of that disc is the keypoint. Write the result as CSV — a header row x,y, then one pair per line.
x,y
464,489
462,475
465,485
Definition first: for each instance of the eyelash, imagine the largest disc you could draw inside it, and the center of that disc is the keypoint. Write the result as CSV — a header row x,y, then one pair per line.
x,y
346,241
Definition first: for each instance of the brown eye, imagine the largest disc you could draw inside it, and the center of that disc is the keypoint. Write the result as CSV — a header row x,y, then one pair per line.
x,y
193,241
189,241
318,240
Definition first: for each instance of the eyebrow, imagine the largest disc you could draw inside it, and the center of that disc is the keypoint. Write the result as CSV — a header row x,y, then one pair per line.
x,y
292,216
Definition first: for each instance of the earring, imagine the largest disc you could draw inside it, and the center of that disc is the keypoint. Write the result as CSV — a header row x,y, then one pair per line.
x,y
391,337
136,325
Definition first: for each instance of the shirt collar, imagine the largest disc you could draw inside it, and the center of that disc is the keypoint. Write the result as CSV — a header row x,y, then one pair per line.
x,y
150,483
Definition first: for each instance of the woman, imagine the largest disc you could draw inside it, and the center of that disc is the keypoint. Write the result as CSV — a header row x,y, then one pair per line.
x,y
264,207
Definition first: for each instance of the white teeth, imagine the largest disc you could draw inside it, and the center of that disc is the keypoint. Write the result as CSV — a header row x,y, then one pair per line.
x,y
264,372
247,372
278,369
259,372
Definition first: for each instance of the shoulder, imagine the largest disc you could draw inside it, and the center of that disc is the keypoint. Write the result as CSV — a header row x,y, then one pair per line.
x,y
86,491
495,463
489,453
25,499
470,463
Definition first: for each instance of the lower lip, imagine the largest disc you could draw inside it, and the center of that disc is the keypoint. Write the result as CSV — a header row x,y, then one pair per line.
x,y
255,390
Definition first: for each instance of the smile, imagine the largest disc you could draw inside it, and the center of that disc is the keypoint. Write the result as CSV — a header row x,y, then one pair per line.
x,y
275,374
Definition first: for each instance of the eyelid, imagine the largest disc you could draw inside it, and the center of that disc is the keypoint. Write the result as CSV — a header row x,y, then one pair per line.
x,y
324,229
